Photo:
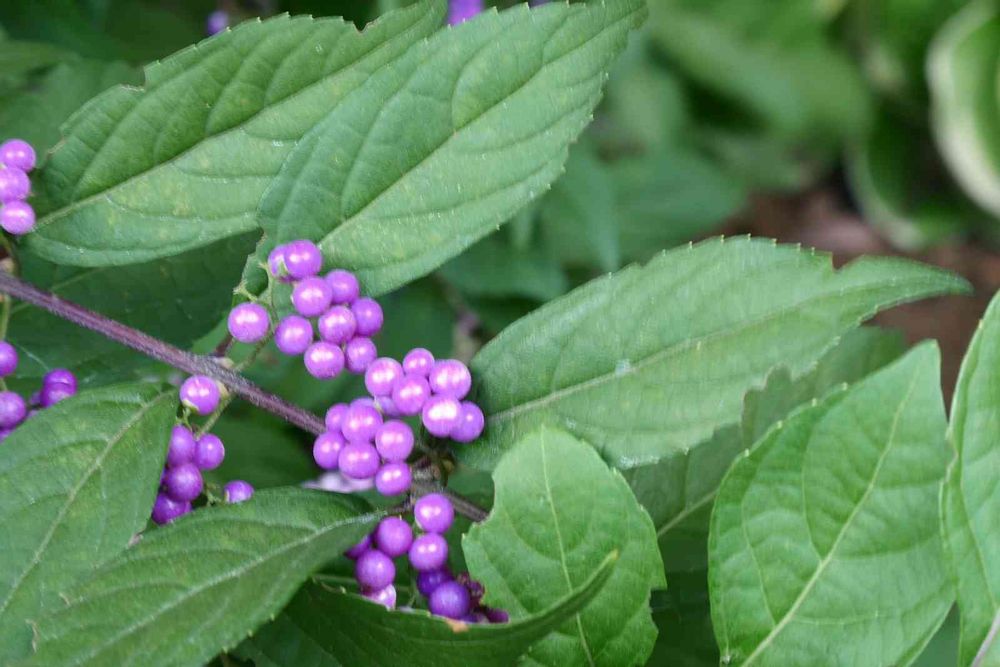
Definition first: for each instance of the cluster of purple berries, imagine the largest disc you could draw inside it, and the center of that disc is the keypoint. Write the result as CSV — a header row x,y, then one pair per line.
x,y
56,385
457,598
17,158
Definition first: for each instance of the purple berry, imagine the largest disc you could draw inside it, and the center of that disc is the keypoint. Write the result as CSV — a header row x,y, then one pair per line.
x,y
302,259
345,286
368,314
276,264
382,375
385,596
361,423
393,536
326,449
237,491
460,11
360,548
335,416
311,296
8,359
294,335
358,460
324,360
429,580
210,452
183,482
166,509
410,394
393,479
249,322
441,415
200,393
475,588
217,22
434,513
4,432
394,441
470,423
17,217
385,405
53,392
497,616
418,361
374,570
428,552
182,447
14,185
360,352
450,600
60,375
12,409
450,378
17,153
337,325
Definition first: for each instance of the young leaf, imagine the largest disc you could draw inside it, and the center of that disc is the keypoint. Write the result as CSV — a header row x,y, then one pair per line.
x,y
77,481
185,592
969,503
824,540
648,362
324,627
229,111
558,512
438,150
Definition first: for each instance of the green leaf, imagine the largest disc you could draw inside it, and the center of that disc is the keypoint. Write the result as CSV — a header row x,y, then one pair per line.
x,y
325,627
648,362
262,450
493,268
968,504
942,649
824,543
230,111
546,536
684,622
77,481
185,592
438,150
964,72
22,57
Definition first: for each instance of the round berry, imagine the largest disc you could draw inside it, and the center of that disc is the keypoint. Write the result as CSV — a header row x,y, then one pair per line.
x,y
385,405
394,441
358,460
237,491
8,359
434,513
166,509
324,360
14,185
470,423
53,392
183,482
345,286
12,409
428,552
450,600
326,449
17,217
294,335
337,325
374,570
497,616
360,352
17,153
418,361
61,376
361,423
429,580
382,375
335,416
393,536
410,394
440,415
210,452
360,548
385,596
302,259
368,314
450,378
249,322
200,393
393,479
311,296
182,446
276,264
217,22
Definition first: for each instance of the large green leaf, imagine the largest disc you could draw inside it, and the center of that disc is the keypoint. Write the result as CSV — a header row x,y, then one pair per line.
x,y
22,57
824,542
493,268
438,150
185,592
969,503
224,116
262,450
76,483
323,627
651,361
558,512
